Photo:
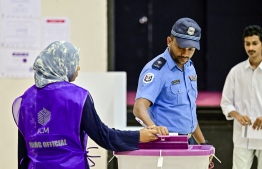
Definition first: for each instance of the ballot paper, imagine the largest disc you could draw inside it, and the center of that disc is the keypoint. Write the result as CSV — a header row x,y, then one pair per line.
x,y
173,134
249,132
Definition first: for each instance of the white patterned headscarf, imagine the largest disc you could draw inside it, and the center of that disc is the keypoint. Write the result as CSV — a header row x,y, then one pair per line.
x,y
57,62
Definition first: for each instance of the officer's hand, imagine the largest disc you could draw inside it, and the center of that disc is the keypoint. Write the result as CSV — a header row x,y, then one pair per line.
x,y
211,164
257,124
161,130
211,158
147,135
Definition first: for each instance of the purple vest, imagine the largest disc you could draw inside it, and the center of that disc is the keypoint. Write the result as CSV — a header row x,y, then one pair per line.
x,y
49,119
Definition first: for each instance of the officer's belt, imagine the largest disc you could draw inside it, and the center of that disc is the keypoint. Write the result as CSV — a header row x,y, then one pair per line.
x,y
188,135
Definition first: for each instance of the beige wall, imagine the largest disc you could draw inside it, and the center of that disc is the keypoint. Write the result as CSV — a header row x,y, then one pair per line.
x,y
88,32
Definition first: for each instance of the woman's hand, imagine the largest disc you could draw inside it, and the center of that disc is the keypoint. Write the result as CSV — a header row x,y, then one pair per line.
x,y
147,135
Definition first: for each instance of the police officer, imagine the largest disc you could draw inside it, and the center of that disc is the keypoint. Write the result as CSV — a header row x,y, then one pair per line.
x,y
167,86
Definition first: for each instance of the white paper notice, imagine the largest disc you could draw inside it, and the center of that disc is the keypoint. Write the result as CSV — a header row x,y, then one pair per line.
x,y
20,33
17,63
20,8
55,29
249,132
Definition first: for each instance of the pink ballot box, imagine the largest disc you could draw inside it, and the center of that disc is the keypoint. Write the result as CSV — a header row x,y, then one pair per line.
x,y
169,152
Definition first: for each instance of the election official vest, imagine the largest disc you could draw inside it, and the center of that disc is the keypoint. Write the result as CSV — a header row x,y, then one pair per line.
x,y
49,119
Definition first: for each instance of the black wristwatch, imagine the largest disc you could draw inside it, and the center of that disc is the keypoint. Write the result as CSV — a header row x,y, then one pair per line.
x,y
205,143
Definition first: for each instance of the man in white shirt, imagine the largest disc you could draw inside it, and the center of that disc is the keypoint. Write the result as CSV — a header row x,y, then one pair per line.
x,y
242,100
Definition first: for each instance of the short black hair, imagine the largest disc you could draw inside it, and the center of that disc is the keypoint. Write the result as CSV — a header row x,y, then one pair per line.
x,y
253,30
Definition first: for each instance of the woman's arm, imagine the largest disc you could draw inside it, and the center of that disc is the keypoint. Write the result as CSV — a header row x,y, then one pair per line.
x,y
23,160
108,138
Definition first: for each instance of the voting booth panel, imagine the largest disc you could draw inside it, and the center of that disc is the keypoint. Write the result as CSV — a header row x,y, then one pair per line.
x,y
108,90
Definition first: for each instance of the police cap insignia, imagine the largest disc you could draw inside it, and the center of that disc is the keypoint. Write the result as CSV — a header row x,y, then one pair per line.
x,y
191,30
159,63
148,78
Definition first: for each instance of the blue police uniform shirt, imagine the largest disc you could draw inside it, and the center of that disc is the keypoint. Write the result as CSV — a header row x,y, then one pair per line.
x,y
173,94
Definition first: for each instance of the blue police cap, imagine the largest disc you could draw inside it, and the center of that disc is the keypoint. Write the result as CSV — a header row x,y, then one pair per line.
x,y
187,33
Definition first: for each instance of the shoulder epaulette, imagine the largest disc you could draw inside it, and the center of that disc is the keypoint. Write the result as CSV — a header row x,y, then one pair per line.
x,y
159,63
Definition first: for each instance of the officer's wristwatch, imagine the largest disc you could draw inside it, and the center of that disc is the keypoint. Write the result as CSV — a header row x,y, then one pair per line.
x,y
205,143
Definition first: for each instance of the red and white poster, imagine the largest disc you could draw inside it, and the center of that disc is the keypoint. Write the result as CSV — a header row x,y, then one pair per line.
x,y
55,29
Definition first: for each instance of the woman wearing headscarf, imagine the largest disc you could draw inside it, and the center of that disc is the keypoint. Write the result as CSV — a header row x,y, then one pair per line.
x,y
55,117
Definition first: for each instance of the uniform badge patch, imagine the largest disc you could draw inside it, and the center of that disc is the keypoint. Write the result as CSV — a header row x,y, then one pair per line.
x,y
174,82
192,78
148,78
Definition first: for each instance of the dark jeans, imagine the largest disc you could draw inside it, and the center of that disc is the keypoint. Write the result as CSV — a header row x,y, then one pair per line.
x,y
192,141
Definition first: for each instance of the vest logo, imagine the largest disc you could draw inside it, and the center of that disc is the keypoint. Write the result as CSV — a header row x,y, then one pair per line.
x,y
43,130
44,117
